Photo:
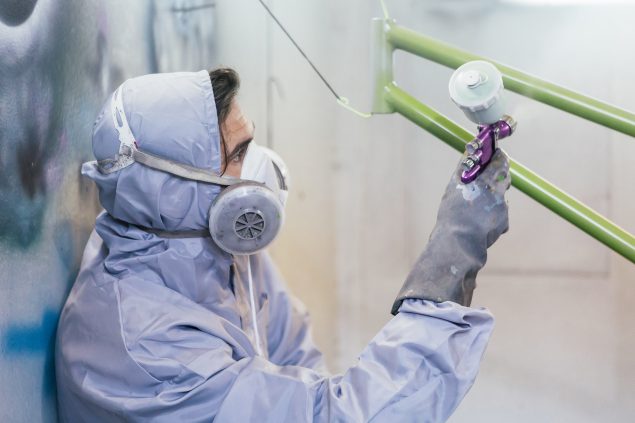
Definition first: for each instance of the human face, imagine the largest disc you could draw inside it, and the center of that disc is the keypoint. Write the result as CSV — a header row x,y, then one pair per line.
x,y
238,132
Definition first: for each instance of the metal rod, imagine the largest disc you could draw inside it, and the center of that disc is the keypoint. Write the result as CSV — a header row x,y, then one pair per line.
x,y
382,53
529,86
524,179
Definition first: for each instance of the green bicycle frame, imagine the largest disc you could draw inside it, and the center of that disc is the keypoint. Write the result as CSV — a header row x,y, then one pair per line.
x,y
389,98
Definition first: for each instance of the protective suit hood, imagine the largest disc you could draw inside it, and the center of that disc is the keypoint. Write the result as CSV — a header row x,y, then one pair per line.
x,y
172,116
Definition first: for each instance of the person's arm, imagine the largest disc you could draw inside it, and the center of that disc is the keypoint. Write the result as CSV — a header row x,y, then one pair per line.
x,y
417,368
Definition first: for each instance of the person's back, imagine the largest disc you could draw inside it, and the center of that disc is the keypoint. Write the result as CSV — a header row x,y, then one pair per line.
x,y
164,324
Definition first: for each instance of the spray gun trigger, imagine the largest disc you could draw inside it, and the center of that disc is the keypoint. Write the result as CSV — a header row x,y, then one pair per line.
x,y
482,148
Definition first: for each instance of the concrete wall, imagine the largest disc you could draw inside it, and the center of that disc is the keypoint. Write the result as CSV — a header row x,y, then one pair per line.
x,y
294,115
58,62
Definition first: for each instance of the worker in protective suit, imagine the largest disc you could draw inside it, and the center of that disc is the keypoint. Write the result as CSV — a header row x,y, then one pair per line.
x,y
178,315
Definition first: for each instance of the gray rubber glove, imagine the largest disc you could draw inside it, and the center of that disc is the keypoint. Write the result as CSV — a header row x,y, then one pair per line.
x,y
471,217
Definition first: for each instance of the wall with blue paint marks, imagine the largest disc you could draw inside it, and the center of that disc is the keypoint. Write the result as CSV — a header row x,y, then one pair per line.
x,y
59,59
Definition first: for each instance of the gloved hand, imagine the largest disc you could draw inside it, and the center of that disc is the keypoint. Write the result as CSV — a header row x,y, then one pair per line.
x,y
471,217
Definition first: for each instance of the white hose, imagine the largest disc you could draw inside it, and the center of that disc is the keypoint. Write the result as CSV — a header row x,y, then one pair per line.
x,y
253,307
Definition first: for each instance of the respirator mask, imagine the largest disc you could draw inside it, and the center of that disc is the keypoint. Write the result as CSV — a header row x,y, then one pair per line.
x,y
247,214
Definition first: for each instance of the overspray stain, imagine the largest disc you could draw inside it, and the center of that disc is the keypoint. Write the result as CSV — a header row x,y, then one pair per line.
x,y
16,12
470,192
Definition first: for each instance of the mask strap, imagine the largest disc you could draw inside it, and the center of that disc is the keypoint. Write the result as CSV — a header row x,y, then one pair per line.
x,y
182,170
177,234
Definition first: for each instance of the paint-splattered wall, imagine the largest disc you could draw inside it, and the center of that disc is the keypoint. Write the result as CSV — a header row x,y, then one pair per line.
x,y
59,59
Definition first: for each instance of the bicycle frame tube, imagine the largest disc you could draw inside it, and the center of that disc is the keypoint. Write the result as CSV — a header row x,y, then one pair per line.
x,y
390,98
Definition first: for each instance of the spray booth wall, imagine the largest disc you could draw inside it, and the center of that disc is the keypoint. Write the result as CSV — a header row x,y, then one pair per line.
x,y
58,62
365,192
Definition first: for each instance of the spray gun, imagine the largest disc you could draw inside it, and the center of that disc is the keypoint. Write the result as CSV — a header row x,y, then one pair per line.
x,y
477,87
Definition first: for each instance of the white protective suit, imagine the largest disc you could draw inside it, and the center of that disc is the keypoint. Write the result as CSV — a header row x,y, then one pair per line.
x,y
160,330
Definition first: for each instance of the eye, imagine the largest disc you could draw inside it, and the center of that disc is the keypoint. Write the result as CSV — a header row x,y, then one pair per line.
x,y
239,155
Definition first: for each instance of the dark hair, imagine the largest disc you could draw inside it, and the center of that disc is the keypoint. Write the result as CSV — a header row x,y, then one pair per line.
x,y
225,83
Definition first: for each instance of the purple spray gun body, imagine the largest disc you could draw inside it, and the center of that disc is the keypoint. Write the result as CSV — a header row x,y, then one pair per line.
x,y
481,149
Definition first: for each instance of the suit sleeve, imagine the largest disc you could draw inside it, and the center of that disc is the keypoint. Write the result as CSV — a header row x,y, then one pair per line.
x,y
417,368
